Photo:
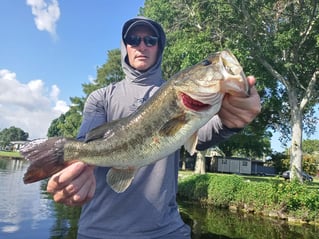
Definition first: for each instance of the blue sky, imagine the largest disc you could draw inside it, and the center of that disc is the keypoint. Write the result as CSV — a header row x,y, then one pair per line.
x,y
48,49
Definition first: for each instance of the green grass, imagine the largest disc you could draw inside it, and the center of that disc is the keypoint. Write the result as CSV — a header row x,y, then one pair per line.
x,y
10,154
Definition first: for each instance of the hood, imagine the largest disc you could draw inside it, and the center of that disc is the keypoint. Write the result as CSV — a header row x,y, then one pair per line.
x,y
152,75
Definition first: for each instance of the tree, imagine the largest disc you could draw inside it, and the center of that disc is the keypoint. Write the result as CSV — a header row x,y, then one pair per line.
x,y
310,164
54,129
68,124
250,142
12,134
311,146
310,159
277,41
288,51
200,163
311,156
111,71
278,161
196,33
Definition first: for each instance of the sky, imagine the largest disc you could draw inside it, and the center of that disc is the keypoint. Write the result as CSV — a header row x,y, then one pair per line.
x,y
48,49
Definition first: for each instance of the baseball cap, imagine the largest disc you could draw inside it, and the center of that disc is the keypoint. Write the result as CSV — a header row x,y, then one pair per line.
x,y
139,23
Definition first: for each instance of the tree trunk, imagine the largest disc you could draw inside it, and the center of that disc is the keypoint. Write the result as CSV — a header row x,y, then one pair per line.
x,y
296,139
200,162
183,164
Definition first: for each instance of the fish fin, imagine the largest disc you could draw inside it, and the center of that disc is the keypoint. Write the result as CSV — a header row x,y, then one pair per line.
x,y
120,179
102,131
172,126
190,145
46,158
96,133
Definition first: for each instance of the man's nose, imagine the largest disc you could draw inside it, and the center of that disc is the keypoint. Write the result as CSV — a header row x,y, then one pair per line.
x,y
142,46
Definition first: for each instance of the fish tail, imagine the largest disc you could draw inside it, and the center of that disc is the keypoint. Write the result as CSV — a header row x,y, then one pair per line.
x,y
46,158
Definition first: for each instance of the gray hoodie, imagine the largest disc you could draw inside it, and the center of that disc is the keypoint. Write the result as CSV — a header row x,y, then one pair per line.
x,y
148,208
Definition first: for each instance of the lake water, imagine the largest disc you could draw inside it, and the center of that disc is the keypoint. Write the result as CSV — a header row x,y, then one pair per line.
x,y
26,211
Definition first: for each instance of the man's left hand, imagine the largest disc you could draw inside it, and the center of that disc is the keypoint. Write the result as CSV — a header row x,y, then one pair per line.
x,y
238,111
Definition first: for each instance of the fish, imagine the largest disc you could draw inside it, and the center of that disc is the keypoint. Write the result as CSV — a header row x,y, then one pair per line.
x,y
167,121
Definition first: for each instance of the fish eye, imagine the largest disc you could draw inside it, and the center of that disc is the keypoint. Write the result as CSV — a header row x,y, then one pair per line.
x,y
228,67
229,70
206,62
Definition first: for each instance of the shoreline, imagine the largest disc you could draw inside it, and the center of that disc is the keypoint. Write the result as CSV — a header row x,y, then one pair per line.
x,y
13,155
288,201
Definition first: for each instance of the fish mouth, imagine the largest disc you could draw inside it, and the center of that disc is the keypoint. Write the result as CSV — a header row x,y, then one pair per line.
x,y
193,104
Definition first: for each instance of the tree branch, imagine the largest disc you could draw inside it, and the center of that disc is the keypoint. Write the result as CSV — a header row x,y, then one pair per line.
x,y
310,89
314,18
257,51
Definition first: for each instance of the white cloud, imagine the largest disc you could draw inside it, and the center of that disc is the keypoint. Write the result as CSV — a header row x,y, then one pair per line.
x,y
61,106
91,78
55,91
45,14
31,106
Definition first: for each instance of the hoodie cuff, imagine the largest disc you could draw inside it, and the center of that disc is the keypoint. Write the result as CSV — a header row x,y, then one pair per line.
x,y
235,130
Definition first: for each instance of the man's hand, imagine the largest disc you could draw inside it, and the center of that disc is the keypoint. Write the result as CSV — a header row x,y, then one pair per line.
x,y
237,112
74,185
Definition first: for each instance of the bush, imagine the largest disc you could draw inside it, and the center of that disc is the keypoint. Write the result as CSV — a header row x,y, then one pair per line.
x,y
257,195
222,189
194,187
299,200
292,198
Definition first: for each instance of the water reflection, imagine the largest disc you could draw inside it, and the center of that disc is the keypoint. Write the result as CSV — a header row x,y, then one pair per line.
x,y
26,211
23,209
66,220
221,224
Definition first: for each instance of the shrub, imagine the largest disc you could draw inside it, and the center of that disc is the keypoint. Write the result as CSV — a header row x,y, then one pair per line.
x,y
292,198
194,187
222,189
256,194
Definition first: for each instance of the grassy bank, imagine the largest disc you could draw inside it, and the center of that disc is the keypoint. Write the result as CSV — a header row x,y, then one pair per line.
x,y
9,154
273,197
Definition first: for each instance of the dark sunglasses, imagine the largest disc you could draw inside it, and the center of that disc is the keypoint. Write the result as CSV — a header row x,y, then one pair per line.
x,y
136,40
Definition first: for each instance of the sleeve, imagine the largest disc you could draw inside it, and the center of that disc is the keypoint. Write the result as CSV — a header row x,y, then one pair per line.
x,y
213,133
94,113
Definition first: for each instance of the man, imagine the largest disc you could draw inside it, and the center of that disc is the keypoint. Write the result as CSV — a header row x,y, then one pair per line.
x,y
148,208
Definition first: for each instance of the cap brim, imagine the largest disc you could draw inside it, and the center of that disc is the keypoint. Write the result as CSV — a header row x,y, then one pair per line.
x,y
141,23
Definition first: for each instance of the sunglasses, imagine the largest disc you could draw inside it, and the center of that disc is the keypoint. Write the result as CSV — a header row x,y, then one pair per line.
x,y
136,40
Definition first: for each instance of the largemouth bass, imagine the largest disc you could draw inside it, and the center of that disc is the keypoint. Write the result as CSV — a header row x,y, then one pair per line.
x,y
167,121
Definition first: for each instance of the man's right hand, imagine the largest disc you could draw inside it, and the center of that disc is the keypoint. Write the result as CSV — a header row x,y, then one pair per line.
x,y
73,186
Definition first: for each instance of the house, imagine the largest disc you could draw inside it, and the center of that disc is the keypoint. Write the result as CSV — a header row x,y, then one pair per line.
x,y
238,165
234,165
16,145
